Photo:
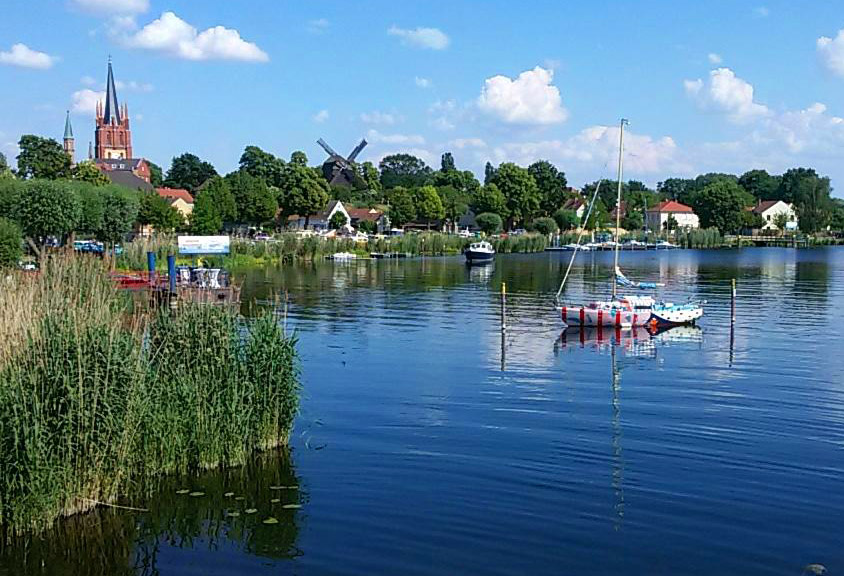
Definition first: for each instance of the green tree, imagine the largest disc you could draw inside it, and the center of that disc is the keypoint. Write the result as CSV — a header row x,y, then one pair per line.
x,y
48,209
489,173
299,158
87,171
371,178
261,164
4,164
367,226
403,170
721,205
156,175
519,188
671,223
489,222
545,225
552,185
566,219
760,184
222,198
751,220
91,208
256,202
402,207
10,191
676,188
632,220
810,195
600,216
188,171
10,244
447,162
205,218
155,211
337,220
490,199
781,221
120,210
302,191
42,158
455,203
429,206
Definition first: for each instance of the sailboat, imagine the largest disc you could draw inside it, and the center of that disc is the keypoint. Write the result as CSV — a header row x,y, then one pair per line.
x,y
623,310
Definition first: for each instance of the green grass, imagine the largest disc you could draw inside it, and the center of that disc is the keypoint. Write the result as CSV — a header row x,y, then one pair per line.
x,y
95,400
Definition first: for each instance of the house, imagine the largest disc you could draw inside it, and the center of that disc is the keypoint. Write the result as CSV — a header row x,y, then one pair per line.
x,y
576,205
619,211
137,166
319,221
358,215
178,198
657,217
127,179
770,211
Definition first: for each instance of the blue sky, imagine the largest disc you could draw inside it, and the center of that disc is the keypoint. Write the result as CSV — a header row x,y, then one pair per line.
x,y
707,86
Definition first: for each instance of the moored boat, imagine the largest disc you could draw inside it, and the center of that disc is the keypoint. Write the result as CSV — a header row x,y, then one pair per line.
x,y
479,252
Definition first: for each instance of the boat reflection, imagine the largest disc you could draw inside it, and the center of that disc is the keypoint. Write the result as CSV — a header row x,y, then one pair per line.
x,y
635,341
482,273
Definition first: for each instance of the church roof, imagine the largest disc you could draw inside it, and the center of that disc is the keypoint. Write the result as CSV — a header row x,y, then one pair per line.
x,y
121,163
112,110
68,129
127,179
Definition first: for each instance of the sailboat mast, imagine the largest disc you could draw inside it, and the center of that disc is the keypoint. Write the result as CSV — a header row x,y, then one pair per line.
x,y
618,202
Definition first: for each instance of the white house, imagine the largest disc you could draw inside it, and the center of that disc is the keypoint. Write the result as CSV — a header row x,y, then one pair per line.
x,y
576,205
658,216
321,220
769,210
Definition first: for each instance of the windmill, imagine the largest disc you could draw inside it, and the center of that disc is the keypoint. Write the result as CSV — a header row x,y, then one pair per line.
x,y
340,171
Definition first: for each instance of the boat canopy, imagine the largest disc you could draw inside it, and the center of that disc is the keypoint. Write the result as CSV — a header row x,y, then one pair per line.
x,y
623,280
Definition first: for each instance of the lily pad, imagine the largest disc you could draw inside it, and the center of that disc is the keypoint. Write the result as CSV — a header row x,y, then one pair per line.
x,y
250,510
184,491
196,494
270,520
292,506
228,494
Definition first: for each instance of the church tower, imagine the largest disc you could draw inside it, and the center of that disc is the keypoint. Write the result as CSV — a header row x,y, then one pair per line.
x,y
68,142
112,137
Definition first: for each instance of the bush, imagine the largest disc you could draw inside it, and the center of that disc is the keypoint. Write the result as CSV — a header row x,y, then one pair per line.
x,y
566,219
489,222
10,244
545,225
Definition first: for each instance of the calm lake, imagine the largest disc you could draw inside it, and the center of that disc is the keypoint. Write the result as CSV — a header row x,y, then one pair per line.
x,y
426,445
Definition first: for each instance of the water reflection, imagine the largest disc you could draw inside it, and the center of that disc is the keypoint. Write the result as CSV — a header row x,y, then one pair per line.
x,y
116,541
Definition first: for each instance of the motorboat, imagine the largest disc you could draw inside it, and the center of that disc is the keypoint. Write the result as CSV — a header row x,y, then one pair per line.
x,y
479,252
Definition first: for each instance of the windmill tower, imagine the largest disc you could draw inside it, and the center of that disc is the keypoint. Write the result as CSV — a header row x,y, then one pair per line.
x,y
340,171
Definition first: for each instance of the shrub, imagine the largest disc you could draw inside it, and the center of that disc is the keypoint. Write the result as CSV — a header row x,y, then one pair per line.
x,y
545,225
489,222
10,243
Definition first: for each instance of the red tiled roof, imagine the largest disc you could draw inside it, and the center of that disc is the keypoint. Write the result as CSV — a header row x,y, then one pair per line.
x,y
671,206
174,194
763,205
366,214
573,204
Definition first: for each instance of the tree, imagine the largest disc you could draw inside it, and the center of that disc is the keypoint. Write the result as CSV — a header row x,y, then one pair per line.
x,y
402,208
42,158
91,208
519,188
670,223
632,220
464,181
222,198
188,171
676,188
299,158
10,192
403,170
205,218
810,195
47,209
87,171
302,191
489,222
155,211
368,226
337,220
489,172
760,184
566,219
490,199
751,220
120,210
371,178
454,201
4,164
261,164
552,185
545,225
447,162
156,175
256,202
781,221
429,206
10,244
721,205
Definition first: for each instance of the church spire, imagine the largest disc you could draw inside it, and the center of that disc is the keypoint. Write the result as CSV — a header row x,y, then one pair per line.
x,y
68,143
112,109
68,129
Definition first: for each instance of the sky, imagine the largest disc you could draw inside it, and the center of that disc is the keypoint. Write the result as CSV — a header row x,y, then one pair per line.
x,y
722,85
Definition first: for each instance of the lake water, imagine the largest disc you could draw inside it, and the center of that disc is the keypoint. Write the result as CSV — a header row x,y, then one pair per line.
x,y
428,445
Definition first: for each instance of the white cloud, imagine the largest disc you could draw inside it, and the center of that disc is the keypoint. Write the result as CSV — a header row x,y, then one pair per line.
x,y
376,137
318,26
376,117
431,38
443,123
529,99
461,143
133,86
172,35
761,12
714,58
831,52
726,93
112,6
321,116
25,57
85,101
87,81
422,82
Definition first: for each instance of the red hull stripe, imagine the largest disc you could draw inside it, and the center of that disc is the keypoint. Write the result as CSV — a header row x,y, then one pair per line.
x,y
582,315
600,317
618,318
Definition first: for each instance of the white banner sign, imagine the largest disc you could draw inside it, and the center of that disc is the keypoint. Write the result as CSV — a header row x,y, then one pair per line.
x,y
204,245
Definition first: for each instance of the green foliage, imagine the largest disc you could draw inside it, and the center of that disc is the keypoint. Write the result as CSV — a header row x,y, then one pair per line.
x,y
751,220
46,208
261,164
156,175
10,244
299,158
120,210
42,158
760,184
403,170
566,219
447,162
490,199
87,171
4,164
781,221
489,173
222,198
402,206
545,225
520,191
552,185
676,188
337,220
371,178
158,213
632,220
256,202
10,191
205,218
429,206
367,226
721,205
188,171
810,195
489,222
455,202
302,190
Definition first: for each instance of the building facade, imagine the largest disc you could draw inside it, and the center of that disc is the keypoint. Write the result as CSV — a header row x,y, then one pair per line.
x,y
659,217
770,211
112,135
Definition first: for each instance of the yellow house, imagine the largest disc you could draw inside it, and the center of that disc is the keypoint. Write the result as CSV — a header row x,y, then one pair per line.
x,y
179,199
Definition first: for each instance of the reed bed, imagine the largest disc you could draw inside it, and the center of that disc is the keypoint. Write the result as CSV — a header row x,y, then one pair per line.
x,y
96,400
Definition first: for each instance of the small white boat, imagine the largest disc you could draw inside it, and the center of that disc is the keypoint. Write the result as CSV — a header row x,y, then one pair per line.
x,y
624,312
343,256
479,252
670,314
